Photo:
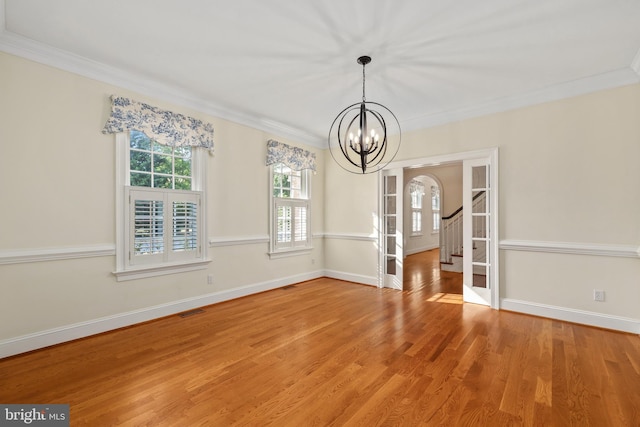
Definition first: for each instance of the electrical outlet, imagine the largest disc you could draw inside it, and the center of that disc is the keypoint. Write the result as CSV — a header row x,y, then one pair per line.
x,y
598,295
210,279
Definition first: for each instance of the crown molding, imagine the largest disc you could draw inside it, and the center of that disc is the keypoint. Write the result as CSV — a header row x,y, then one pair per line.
x,y
39,52
57,58
616,78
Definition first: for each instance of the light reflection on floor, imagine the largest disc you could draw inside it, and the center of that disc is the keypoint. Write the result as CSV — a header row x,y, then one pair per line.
x,y
424,281
446,298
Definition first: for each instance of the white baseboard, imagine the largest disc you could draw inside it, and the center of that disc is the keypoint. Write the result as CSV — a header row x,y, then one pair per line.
x,y
571,315
71,332
350,277
422,249
66,333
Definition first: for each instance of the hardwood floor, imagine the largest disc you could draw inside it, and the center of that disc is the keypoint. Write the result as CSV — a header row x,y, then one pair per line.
x,y
327,352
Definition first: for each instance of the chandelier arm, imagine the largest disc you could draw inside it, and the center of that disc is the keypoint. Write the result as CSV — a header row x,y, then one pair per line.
x,y
383,146
343,144
348,128
343,148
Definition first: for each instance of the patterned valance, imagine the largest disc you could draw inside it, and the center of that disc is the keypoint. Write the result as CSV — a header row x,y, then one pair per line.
x,y
164,127
416,186
294,157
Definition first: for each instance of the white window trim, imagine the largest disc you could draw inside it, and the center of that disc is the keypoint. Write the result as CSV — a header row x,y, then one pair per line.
x,y
124,271
274,252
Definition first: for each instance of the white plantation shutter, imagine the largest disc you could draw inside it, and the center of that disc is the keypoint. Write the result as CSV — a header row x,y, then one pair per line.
x,y
300,237
416,221
165,225
185,226
435,208
283,223
185,215
291,223
147,236
417,192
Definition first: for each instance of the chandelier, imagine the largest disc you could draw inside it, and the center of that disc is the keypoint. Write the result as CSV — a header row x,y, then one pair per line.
x,y
366,135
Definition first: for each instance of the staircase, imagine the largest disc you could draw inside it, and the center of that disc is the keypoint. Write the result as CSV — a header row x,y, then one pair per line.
x,y
451,237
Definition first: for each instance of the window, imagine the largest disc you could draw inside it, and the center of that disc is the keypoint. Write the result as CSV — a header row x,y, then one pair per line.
x,y
290,194
417,193
158,166
435,208
161,224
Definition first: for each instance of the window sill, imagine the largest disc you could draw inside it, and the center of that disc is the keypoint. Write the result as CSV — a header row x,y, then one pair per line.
x,y
146,271
284,253
416,235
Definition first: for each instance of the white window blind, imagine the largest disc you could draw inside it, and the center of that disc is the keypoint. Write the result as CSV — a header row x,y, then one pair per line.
x,y
164,225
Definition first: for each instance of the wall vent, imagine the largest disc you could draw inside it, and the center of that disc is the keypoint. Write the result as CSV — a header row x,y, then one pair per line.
x,y
191,312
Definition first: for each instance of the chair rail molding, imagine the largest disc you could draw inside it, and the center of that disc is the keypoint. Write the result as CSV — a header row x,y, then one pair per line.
x,y
351,236
52,254
237,240
572,248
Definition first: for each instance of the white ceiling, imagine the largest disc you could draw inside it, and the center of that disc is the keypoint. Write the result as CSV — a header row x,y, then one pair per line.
x,y
289,66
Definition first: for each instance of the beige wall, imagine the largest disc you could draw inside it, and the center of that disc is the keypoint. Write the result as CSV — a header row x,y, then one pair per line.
x,y
569,172
57,175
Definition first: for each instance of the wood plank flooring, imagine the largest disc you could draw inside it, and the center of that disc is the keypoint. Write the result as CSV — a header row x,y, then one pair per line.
x,y
332,353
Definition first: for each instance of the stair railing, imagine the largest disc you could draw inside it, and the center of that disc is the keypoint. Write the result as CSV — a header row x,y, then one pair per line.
x,y
452,229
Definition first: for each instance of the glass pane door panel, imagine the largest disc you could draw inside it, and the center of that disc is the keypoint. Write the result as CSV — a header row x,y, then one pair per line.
x,y
479,201
479,224
480,276
391,265
390,204
479,251
391,245
479,177
390,185
391,225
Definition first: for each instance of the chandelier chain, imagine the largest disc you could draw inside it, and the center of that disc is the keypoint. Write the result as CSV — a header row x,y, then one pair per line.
x,y
363,97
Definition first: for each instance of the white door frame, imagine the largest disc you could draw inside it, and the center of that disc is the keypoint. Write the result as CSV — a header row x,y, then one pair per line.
x,y
491,154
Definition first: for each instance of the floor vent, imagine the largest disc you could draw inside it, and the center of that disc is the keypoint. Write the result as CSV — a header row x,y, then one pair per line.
x,y
286,288
191,313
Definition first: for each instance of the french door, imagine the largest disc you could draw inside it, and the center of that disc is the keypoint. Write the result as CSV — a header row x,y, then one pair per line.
x,y
479,253
480,224
391,236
